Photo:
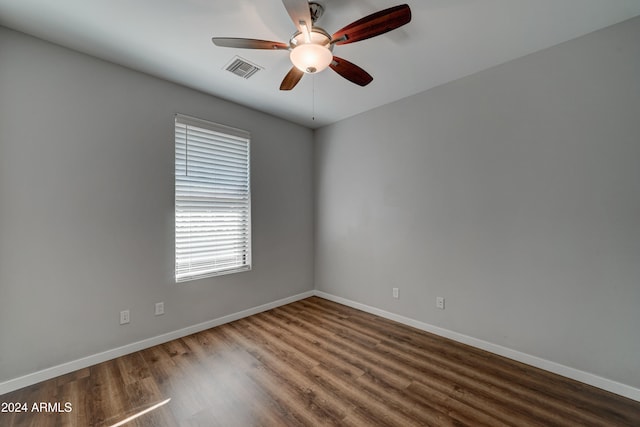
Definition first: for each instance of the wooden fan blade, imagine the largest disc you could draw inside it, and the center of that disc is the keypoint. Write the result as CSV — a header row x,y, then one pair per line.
x,y
374,25
350,71
291,79
248,43
299,12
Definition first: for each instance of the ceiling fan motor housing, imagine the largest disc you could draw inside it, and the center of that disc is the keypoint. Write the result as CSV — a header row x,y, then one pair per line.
x,y
316,10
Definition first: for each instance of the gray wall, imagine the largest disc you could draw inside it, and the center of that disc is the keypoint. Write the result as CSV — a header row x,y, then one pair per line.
x,y
86,207
514,193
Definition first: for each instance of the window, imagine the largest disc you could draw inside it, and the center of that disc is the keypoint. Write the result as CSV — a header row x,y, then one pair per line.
x,y
212,199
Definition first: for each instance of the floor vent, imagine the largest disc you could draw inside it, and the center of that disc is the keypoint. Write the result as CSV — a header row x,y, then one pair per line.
x,y
243,68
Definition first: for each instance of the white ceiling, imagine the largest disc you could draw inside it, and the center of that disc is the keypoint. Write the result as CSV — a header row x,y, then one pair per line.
x,y
446,40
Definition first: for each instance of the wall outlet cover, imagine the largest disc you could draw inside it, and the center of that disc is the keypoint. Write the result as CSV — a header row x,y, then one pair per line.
x,y
159,308
124,317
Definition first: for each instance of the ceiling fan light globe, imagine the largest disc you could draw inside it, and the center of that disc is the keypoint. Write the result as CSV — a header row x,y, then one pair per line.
x,y
311,58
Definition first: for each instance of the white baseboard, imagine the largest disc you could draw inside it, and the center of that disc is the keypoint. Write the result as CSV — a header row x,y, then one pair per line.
x,y
65,368
556,368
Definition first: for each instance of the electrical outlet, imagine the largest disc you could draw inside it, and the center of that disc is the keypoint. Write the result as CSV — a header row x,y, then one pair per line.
x,y
124,317
159,308
396,293
440,303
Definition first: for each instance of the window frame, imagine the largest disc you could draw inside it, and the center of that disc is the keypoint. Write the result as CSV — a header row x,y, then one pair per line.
x,y
190,201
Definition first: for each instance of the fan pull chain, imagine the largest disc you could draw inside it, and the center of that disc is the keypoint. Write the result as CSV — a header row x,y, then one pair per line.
x,y
313,97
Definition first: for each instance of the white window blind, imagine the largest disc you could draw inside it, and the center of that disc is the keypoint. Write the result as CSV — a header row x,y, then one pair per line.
x,y
212,199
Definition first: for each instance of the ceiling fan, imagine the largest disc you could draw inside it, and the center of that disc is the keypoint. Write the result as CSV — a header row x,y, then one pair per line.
x,y
311,47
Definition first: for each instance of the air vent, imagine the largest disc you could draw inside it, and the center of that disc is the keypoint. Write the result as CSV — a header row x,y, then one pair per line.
x,y
243,68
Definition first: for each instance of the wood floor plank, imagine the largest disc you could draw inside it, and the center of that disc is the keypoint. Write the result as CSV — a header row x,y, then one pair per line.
x,y
362,357
315,362
281,371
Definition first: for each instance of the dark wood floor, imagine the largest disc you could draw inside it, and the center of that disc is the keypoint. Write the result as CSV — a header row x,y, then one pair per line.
x,y
315,362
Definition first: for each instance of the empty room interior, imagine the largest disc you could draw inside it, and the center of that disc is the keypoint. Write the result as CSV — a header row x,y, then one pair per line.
x,y
234,213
